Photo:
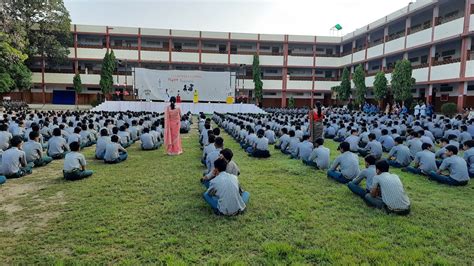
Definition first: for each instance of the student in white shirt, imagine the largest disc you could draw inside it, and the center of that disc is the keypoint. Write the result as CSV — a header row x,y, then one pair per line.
x,y
387,191
114,152
260,147
147,140
319,157
5,137
208,148
224,195
34,151
75,164
14,163
57,146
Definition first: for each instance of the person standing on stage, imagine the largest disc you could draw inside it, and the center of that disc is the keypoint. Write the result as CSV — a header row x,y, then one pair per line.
x,y
172,126
316,118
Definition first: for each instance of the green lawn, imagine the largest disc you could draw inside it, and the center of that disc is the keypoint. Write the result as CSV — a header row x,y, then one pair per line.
x,y
149,209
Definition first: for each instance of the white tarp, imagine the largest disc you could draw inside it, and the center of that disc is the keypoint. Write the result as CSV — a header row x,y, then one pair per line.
x,y
162,84
195,108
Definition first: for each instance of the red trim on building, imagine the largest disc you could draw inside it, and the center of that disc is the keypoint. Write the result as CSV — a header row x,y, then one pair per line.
x,y
228,49
284,72
200,50
107,37
258,44
464,55
313,72
76,64
170,48
140,47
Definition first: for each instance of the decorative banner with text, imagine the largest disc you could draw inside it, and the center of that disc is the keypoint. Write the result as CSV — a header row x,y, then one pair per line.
x,y
206,86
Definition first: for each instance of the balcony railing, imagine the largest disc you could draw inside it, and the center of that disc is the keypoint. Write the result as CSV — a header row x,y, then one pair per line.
x,y
271,77
185,50
120,47
144,48
394,36
346,53
94,46
445,61
419,27
214,51
422,65
303,54
470,55
372,44
326,79
270,53
244,52
450,17
328,55
304,78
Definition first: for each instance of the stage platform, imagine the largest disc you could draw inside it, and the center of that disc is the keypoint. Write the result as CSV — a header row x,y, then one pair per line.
x,y
194,108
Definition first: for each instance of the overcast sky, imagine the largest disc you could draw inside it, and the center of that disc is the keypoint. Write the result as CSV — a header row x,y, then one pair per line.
x,y
311,17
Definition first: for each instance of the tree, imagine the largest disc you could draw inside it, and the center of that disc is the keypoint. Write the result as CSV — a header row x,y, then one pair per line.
x,y
257,79
291,102
106,73
380,86
13,72
77,83
343,91
36,28
359,82
402,81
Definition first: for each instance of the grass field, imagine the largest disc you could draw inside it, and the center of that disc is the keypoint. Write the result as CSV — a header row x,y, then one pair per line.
x,y
149,209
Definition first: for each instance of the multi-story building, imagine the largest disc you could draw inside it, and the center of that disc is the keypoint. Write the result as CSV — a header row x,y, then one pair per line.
x,y
436,36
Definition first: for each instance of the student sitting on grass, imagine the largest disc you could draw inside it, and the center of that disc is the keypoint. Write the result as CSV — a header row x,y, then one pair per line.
x,y
386,140
353,140
125,138
303,149
346,166
270,135
208,149
86,138
114,152
292,145
319,157
373,148
455,165
34,151
57,146
469,156
212,156
14,163
260,147
440,154
232,167
250,140
204,135
75,164
424,162
368,174
184,126
147,140
5,137
414,144
283,141
224,195
75,136
387,191
102,144
399,155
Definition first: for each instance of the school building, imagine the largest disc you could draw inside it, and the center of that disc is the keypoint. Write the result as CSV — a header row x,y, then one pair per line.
x,y
437,36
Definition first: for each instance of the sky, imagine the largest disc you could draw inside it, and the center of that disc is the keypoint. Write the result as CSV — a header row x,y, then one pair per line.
x,y
306,17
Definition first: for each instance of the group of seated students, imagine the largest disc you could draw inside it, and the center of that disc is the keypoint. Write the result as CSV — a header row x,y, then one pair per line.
x,y
220,178
408,140
51,135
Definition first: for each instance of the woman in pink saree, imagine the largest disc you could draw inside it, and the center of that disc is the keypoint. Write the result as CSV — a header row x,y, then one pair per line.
x,y
172,125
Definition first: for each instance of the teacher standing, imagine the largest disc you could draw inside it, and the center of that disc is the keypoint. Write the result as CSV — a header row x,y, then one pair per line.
x,y
172,126
316,118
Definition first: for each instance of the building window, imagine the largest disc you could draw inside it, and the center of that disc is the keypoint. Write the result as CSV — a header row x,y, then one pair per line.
x,y
470,87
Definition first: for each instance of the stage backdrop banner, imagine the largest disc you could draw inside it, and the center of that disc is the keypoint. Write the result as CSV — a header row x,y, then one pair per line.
x,y
204,86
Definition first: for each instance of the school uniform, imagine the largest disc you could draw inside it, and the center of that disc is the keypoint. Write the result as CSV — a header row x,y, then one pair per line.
x,y
458,172
5,138
114,153
426,162
147,142
415,146
402,156
100,147
345,168
353,142
367,174
284,141
73,164
227,199
261,148
57,147
373,148
393,199
125,138
211,157
387,142
14,163
303,150
34,153
469,158
319,158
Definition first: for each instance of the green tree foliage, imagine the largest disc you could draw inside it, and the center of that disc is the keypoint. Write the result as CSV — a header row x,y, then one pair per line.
x,y
402,81
449,109
257,79
77,84
359,82
13,72
109,65
380,86
343,91
291,102
38,27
